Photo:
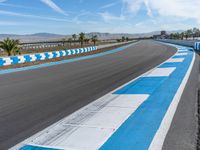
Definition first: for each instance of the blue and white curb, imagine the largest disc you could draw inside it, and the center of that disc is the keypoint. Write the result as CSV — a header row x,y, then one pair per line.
x,y
135,116
197,46
13,60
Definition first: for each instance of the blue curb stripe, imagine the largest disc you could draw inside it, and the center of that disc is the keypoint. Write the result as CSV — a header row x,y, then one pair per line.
x,y
143,85
178,56
31,147
138,131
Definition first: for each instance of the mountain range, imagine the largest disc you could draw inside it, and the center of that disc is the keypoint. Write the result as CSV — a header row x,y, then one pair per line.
x,y
38,37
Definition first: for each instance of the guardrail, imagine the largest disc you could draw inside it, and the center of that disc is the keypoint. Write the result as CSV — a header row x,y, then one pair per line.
x,y
193,44
13,60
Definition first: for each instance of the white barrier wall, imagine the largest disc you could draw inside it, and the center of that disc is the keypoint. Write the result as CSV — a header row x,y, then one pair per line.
x,y
193,44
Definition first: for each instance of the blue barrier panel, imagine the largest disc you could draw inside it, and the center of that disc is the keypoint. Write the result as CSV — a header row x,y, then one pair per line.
x,y
2,61
197,46
27,58
15,60
40,56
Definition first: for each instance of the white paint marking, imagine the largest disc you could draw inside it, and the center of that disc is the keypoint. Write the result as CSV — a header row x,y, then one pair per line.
x,y
91,126
173,60
160,72
181,54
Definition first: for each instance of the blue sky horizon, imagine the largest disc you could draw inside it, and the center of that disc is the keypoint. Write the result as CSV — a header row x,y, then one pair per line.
x,y
113,16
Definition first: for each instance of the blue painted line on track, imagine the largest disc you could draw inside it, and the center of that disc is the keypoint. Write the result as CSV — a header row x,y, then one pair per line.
x,y
138,131
65,61
31,147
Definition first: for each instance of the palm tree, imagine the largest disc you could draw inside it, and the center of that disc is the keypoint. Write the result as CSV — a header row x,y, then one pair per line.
x,y
123,38
70,41
74,37
182,35
81,38
94,39
195,32
63,41
127,39
188,33
11,46
118,40
172,36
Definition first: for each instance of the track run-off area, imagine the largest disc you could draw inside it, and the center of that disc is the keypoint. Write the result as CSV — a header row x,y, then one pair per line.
x,y
122,99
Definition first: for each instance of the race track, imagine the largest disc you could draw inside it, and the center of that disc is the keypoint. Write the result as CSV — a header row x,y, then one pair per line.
x,y
34,99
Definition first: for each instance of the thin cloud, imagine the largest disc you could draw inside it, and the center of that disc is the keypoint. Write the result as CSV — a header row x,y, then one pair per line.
x,y
53,6
166,8
9,13
9,23
107,17
109,5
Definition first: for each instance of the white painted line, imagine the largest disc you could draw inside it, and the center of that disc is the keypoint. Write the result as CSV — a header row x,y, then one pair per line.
x,y
157,142
173,60
160,72
183,50
181,54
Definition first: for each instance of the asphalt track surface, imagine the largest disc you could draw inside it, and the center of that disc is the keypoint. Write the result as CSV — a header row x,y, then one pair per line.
x,y
34,99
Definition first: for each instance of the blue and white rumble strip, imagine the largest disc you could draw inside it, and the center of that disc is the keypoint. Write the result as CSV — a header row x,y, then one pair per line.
x,y
13,60
135,116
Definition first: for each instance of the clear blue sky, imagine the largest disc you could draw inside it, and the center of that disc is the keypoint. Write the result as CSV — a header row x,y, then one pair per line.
x,y
115,16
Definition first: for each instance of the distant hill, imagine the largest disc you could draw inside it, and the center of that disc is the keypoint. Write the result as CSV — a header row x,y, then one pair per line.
x,y
53,37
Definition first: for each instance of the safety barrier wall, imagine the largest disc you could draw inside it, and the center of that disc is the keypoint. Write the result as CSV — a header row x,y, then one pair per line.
x,y
197,46
193,44
12,60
